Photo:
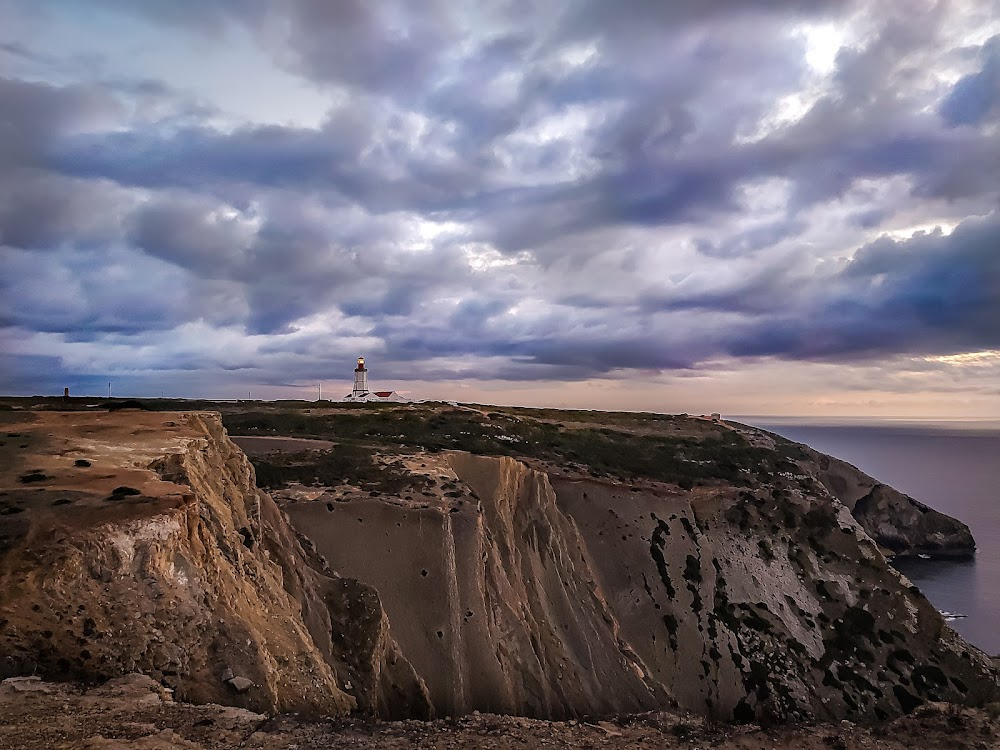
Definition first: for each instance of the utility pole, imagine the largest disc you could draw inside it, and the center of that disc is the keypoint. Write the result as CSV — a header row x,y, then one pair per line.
x,y
320,392
109,390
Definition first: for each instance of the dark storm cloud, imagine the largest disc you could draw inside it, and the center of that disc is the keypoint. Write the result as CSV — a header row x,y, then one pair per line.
x,y
638,14
375,46
17,50
490,185
933,293
289,262
301,159
465,169
42,211
88,293
399,47
34,115
869,218
644,174
976,96
874,123
41,208
183,231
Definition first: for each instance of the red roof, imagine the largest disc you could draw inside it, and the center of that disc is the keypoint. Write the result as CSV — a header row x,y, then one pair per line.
x,y
383,394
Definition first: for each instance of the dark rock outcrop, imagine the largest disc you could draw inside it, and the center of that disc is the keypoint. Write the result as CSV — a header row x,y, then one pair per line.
x,y
901,525
908,527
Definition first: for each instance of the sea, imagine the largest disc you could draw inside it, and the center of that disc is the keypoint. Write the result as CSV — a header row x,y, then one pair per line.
x,y
952,466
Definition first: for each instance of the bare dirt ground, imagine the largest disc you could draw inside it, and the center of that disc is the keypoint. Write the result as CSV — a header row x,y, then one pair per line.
x,y
136,713
75,470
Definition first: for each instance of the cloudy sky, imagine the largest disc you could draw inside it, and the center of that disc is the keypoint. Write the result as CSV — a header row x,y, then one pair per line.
x,y
753,206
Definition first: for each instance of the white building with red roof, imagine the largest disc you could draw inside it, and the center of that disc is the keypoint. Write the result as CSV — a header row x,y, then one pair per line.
x,y
361,394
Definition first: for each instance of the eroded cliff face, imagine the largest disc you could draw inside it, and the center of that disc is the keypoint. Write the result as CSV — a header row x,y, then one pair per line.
x,y
489,590
517,591
769,605
158,554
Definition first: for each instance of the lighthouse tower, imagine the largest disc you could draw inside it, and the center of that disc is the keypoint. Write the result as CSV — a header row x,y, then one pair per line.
x,y
360,379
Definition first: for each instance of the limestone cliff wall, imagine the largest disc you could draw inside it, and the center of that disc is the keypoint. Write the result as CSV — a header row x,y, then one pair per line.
x,y
193,579
138,542
545,595
769,605
493,598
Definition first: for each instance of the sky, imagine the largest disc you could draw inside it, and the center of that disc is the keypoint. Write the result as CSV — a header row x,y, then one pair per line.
x,y
746,206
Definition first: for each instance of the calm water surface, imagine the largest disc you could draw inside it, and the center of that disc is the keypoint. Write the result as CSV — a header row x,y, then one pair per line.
x,y
953,467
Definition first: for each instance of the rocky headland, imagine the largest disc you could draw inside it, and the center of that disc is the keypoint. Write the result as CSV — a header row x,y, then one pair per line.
x,y
898,523
429,561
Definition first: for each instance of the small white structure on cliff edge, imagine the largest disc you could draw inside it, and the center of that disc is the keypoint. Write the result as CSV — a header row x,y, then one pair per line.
x,y
362,394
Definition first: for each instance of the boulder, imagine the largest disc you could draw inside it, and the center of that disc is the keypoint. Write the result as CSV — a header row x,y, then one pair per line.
x,y
240,684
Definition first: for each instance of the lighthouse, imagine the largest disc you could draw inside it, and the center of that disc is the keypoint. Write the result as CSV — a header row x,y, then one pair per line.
x,y
361,392
360,379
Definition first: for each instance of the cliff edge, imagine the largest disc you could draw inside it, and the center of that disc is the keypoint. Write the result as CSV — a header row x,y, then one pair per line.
x,y
134,541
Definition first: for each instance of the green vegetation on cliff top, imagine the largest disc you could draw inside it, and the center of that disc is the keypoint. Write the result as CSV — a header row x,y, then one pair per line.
x,y
664,448
683,450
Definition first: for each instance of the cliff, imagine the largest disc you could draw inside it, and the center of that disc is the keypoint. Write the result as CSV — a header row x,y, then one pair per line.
x,y
489,589
727,576
769,605
138,542
519,591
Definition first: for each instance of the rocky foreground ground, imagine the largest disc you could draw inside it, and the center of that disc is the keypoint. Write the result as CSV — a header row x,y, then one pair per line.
x,y
136,713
